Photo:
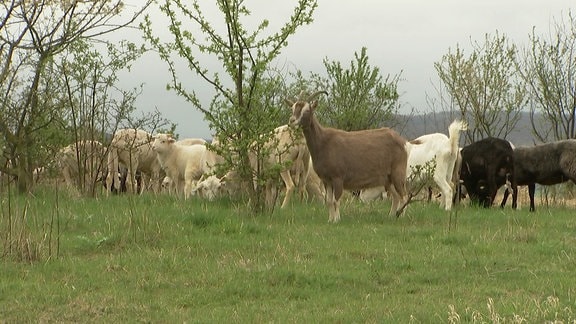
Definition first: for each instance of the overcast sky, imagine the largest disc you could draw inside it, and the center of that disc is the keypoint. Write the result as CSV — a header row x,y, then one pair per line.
x,y
401,36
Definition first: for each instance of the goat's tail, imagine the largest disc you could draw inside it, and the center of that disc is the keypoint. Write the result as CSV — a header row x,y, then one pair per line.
x,y
454,133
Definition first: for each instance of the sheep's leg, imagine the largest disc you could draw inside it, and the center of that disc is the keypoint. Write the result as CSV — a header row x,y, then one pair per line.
x,y
145,183
155,179
112,178
289,186
110,182
514,186
303,178
314,190
131,184
270,192
187,187
67,177
531,190
505,198
180,184
130,179
172,187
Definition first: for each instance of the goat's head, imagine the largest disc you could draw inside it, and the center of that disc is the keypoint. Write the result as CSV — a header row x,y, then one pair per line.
x,y
303,108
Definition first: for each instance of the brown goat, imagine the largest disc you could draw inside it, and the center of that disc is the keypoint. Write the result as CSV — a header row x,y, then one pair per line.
x,y
353,160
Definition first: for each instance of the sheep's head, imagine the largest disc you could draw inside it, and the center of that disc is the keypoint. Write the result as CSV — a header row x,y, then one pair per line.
x,y
302,110
166,182
162,142
209,188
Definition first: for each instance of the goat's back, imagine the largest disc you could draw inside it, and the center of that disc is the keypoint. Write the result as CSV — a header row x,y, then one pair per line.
x,y
426,147
361,159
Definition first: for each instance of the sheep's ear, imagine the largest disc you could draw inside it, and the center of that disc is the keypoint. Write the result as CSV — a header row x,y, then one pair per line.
x,y
171,140
289,102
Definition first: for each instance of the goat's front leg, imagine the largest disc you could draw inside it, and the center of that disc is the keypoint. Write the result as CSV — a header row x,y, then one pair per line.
x,y
333,204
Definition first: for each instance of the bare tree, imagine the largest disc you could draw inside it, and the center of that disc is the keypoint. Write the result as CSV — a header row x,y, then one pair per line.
x,y
549,70
485,86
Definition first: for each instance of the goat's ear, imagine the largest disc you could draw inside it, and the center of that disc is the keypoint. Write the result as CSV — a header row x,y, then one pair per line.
x,y
171,140
313,104
289,102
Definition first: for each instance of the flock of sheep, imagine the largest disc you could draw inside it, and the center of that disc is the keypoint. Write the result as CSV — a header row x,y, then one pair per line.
x,y
327,161
136,160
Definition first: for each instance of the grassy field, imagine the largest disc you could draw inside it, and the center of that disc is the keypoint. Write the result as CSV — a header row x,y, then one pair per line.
x,y
159,259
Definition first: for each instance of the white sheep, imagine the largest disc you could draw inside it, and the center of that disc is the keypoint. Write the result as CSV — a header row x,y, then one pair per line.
x,y
167,183
133,149
286,146
209,188
191,141
184,164
83,159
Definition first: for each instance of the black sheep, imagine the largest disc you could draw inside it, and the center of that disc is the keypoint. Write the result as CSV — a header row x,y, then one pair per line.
x,y
487,165
545,164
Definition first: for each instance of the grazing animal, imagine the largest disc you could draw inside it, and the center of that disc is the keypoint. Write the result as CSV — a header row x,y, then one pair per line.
x,y
133,149
432,147
81,160
167,183
191,141
208,188
285,145
487,165
545,164
182,163
352,160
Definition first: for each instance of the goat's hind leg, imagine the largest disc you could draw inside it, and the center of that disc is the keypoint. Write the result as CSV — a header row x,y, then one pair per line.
x,y
395,198
397,190
446,190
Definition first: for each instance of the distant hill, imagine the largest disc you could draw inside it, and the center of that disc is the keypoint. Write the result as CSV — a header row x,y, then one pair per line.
x,y
413,126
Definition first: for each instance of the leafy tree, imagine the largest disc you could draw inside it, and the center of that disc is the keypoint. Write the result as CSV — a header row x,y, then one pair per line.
x,y
549,69
240,110
485,86
33,34
360,98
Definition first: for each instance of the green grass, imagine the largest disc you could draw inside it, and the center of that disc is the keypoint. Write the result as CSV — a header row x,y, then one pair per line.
x,y
160,259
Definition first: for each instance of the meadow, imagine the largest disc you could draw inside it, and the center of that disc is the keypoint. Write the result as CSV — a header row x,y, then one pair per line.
x,y
156,258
